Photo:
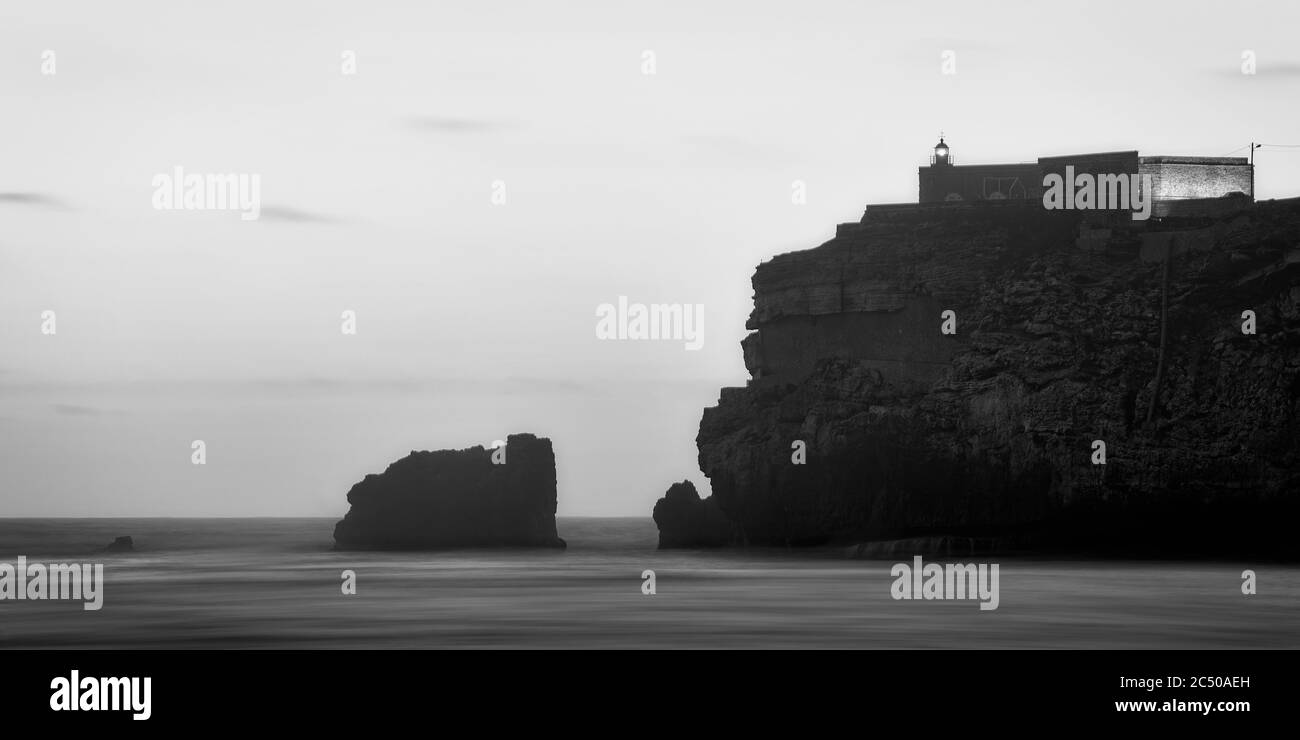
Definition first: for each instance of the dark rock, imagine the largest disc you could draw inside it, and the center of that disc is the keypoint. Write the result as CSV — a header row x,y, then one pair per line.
x,y
684,520
121,544
457,498
988,434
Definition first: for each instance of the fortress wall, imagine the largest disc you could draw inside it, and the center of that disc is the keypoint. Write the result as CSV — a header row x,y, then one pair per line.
x,y
978,182
1192,180
1104,163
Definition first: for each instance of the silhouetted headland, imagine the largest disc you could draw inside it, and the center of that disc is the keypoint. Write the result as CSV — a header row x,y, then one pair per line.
x,y
998,376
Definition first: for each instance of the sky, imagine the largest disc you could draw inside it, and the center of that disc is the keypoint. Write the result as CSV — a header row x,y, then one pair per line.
x,y
485,179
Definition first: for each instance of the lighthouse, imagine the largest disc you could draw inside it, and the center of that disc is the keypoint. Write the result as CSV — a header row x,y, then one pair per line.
x,y
940,158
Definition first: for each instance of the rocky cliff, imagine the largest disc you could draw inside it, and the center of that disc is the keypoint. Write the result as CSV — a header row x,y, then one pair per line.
x,y
1072,330
457,498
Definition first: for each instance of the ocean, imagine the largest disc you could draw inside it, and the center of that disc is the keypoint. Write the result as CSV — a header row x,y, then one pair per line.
x,y
276,583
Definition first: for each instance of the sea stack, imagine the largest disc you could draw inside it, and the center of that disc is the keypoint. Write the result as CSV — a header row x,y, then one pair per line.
x,y
475,497
686,520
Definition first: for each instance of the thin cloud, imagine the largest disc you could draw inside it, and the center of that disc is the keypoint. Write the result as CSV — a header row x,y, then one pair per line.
x,y
70,409
286,214
457,126
935,44
729,152
35,200
418,385
1263,68
1287,70
308,384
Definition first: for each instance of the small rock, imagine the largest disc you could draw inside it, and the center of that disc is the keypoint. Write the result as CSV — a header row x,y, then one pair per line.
x,y
121,544
686,520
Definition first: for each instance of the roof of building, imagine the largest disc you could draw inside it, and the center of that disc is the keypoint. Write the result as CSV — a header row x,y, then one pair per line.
x,y
1194,160
1092,155
998,165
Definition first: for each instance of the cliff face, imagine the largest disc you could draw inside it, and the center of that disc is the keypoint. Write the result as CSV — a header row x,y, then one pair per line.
x,y
990,433
457,498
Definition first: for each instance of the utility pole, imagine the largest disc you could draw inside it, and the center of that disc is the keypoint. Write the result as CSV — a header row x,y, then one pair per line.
x,y
1253,147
